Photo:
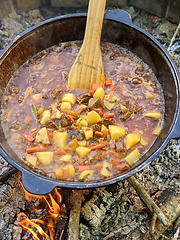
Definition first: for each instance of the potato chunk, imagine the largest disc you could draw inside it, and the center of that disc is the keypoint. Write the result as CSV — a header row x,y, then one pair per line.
x,y
133,156
37,96
116,131
42,136
82,151
99,93
82,143
88,132
69,97
93,117
65,105
60,138
45,117
45,157
110,101
106,169
157,130
156,115
32,159
81,122
86,175
131,140
66,158
65,171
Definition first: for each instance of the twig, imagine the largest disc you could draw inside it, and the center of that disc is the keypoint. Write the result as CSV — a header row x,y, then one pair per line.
x,y
153,222
76,199
173,38
148,200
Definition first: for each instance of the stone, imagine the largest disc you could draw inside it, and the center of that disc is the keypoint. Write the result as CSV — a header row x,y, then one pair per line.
x,y
6,8
70,3
24,5
156,7
84,3
173,13
116,3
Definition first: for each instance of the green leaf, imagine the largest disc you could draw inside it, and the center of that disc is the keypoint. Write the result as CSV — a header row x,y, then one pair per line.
x,y
113,101
34,110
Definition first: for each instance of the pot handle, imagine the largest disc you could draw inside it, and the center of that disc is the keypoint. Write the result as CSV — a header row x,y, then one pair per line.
x,y
36,185
176,129
119,15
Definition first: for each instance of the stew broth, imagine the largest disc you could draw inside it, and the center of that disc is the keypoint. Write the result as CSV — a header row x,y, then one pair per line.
x,y
80,135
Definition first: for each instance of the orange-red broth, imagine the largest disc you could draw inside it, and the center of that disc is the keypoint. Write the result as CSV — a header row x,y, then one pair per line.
x,y
131,79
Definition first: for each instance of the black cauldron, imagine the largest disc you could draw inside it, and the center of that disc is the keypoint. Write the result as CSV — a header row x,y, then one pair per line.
x,y
117,29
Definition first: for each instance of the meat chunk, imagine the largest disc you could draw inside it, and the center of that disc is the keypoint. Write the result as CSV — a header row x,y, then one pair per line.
x,y
84,98
126,116
55,93
21,126
134,108
20,98
122,107
52,124
13,89
94,156
108,121
95,103
74,133
96,127
45,96
65,121
119,146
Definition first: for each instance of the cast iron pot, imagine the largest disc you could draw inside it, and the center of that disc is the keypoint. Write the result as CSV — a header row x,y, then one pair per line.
x,y
118,29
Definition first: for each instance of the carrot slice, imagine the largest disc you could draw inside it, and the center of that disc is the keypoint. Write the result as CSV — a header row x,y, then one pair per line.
x,y
113,88
111,152
98,134
34,133
53,149
121,167
28,137
42,147
96,86
92,92
100,112
98,146
109,115
50,134
32,149
28,119
98,165
82,168
108,81
115,160
60,152
71,118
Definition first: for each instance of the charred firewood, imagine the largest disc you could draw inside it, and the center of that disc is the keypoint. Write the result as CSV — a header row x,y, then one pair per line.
x,y
76,199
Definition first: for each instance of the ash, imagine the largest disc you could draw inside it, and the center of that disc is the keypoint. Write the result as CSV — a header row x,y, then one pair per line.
x,y
112,212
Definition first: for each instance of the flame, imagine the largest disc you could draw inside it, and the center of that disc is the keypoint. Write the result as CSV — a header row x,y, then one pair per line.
x,y
54,214
26,223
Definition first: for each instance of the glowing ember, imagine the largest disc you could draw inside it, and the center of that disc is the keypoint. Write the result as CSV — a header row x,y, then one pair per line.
x,y
33,225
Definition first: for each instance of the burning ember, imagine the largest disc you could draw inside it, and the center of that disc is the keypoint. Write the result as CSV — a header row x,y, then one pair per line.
x,y
34,225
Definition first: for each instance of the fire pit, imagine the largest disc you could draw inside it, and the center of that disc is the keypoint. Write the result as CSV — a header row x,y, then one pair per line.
x,y
113,212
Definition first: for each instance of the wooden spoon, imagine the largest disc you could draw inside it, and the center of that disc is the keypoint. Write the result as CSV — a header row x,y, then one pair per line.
x,y
88,67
